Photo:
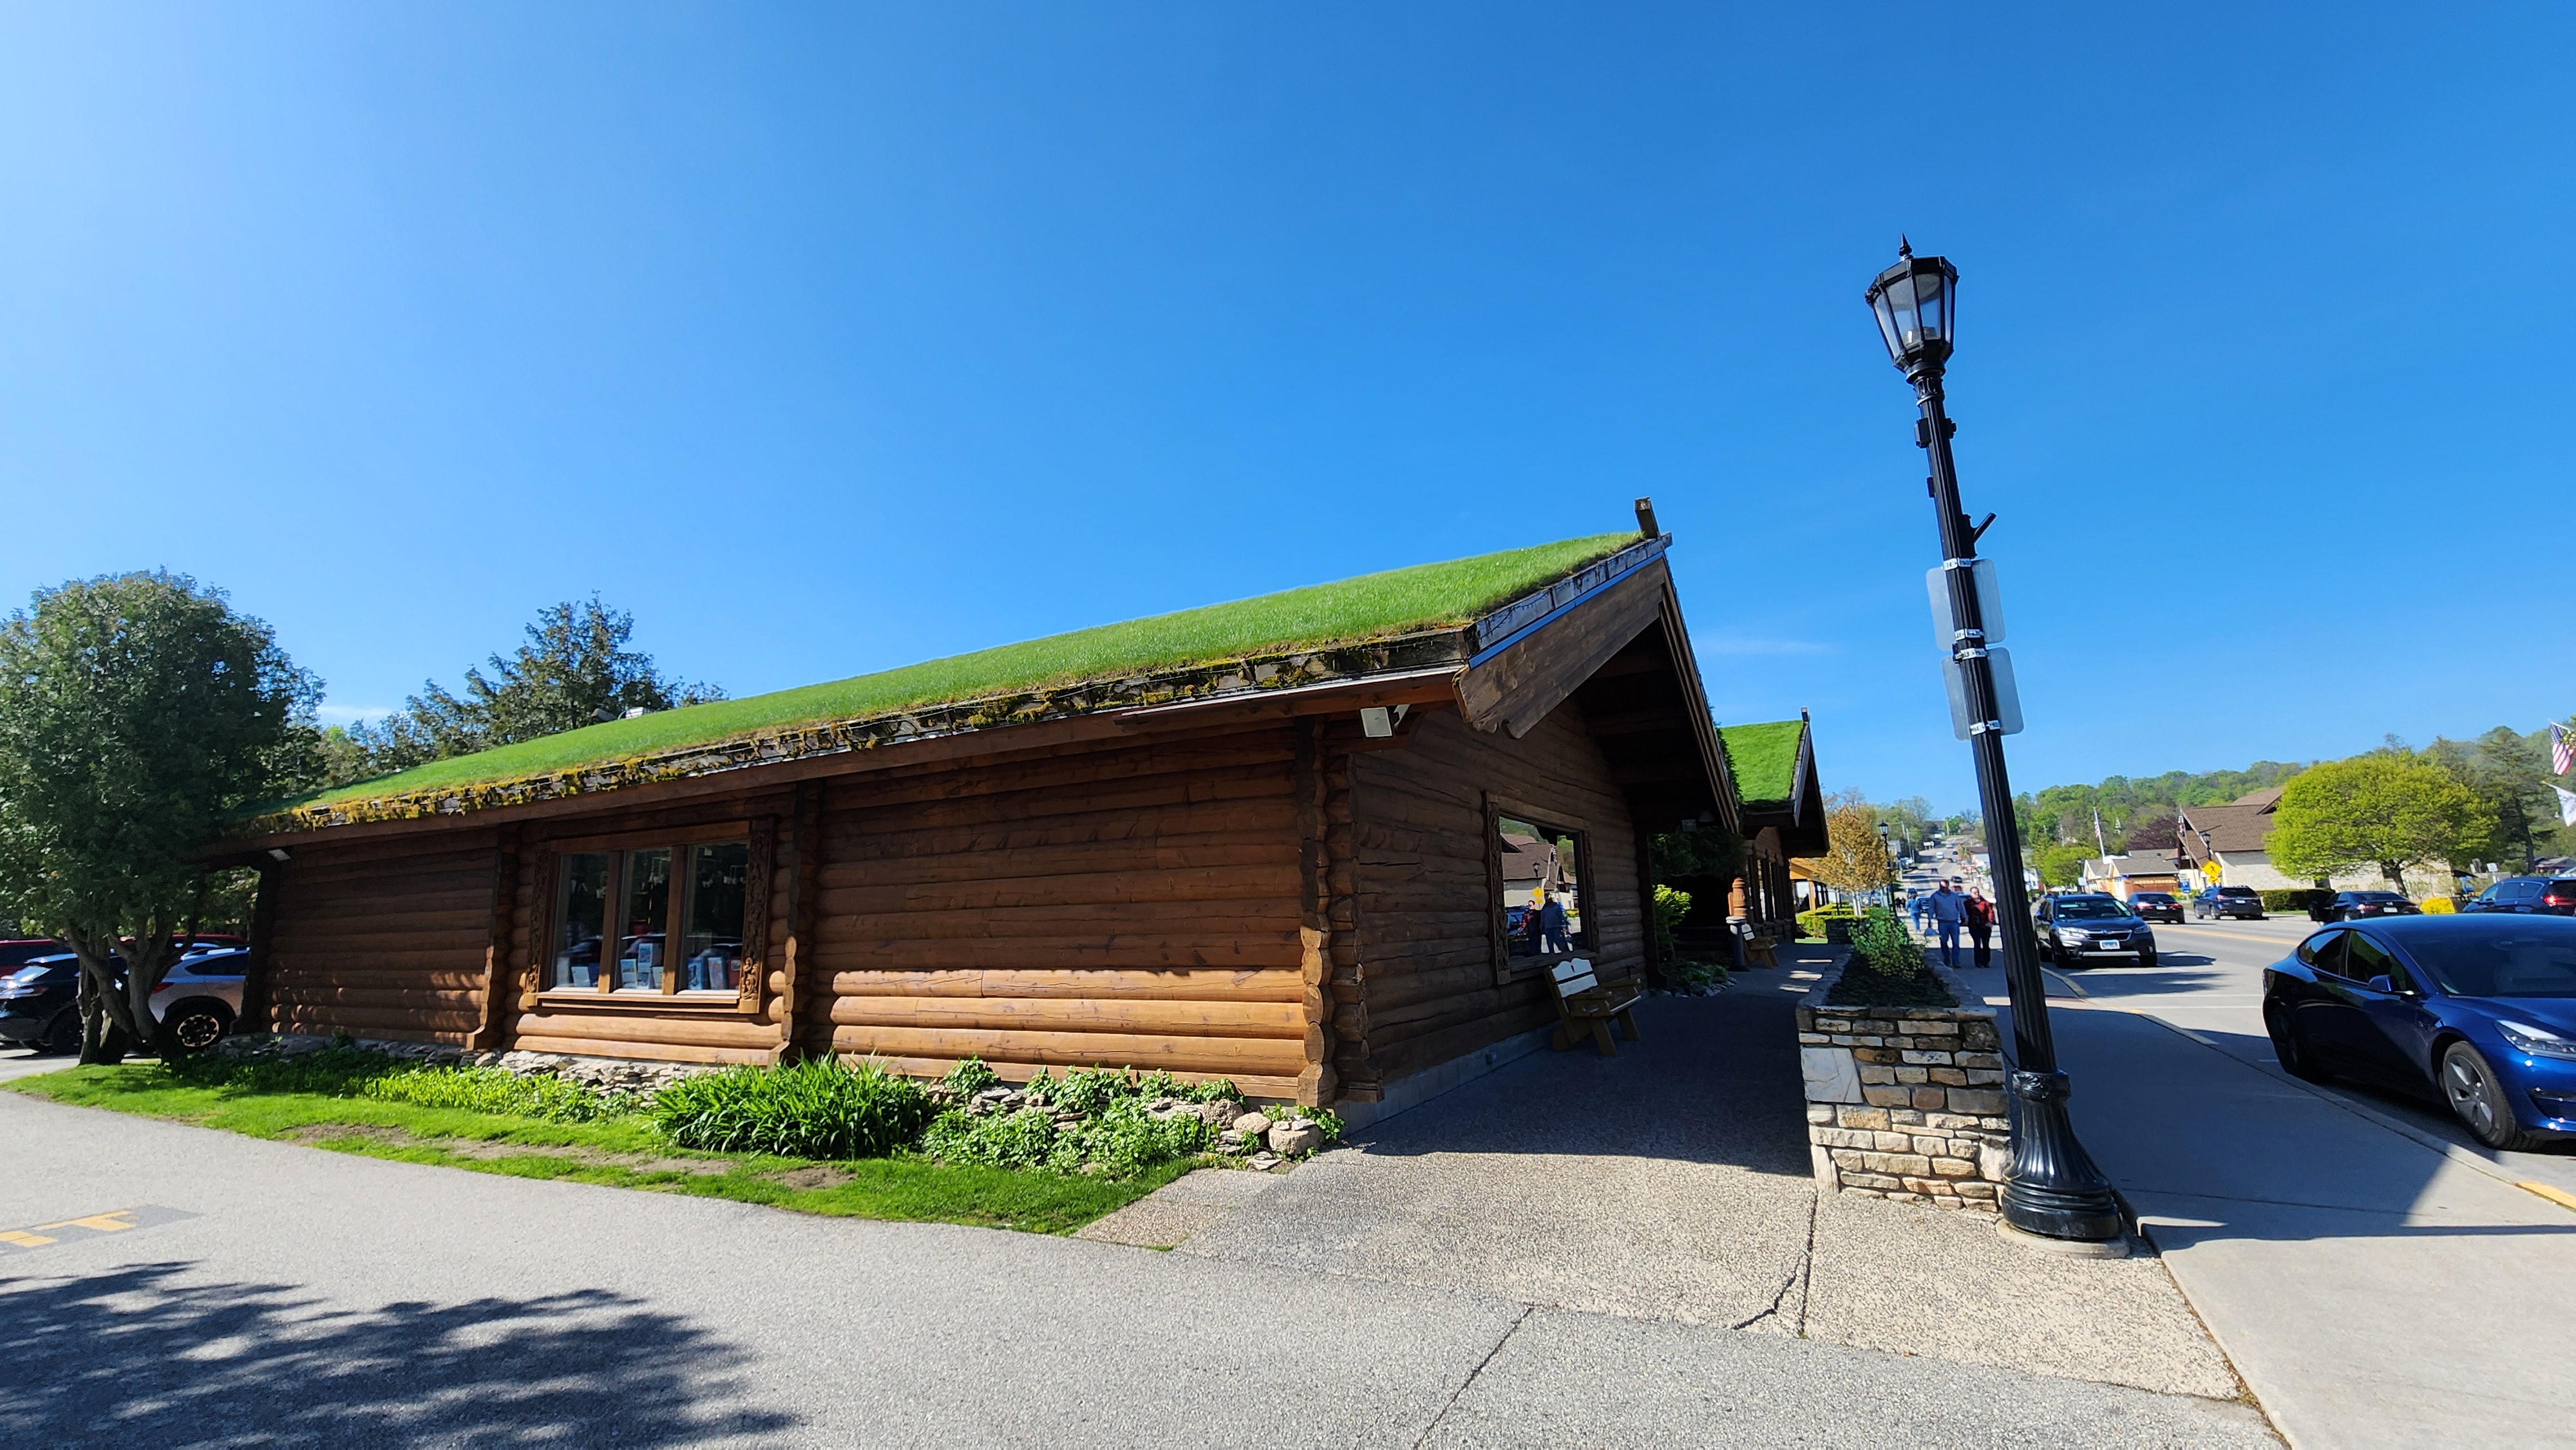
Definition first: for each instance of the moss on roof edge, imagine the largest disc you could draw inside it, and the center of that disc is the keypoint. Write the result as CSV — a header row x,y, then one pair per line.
x,y
1764,755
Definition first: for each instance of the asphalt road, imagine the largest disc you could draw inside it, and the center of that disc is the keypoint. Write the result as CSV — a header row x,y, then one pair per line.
x,y
2208,980
202,1288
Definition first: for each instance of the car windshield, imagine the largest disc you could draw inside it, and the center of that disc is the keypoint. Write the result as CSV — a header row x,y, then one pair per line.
x,y
2090,908
2377,896
2498,956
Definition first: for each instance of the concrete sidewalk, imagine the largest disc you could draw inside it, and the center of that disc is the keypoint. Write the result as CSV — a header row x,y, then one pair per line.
x,y
2371,1289
291,1296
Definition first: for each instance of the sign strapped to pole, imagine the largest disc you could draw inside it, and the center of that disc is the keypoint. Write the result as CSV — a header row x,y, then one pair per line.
x,y
1945,631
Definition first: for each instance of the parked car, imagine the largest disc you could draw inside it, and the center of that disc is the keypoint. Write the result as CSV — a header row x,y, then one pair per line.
x,y
2243,903
199,998
2082,926
2524,895
2476,1010
18,951
2354,905
2155,906
40,1005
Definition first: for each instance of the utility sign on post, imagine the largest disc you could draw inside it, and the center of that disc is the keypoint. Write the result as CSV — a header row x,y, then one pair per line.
x,y
1945,628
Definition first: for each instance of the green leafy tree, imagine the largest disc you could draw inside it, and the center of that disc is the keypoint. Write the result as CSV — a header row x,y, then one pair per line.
x,y
137,713
2060,863
2389,808
574,670
2509,772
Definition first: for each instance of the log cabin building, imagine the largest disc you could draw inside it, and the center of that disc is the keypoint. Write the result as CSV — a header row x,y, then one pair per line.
x,y
1266,841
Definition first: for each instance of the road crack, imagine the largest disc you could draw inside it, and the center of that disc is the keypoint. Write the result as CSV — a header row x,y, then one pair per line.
x,y
1452,1403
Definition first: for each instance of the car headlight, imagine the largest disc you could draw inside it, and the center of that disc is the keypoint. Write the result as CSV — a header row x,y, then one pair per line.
x,y
2072,934
2538,1041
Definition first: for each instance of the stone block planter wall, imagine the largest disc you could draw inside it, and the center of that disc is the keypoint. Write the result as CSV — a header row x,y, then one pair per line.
x,y
1906,1102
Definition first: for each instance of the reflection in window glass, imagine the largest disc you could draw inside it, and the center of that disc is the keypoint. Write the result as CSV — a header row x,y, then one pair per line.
x,y
645,916
1542,901
711,946
581,903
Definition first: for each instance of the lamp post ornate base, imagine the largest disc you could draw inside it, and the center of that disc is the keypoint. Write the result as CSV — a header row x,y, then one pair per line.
x,y
2053,1188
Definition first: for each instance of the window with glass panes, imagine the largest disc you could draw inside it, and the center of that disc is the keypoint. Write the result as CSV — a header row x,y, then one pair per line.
x,y
662,919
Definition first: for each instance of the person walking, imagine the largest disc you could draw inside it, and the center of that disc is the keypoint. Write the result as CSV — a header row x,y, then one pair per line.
x,y
1918,907
1948,908
1551,927
1981,924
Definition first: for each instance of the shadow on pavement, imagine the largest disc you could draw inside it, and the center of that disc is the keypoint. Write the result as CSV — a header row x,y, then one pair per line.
x,y
1714,1080
139,1355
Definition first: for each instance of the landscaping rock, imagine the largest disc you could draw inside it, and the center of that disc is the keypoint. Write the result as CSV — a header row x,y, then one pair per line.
x,y
1252,1125
1263,1162
1219,1114
1294,1137
1231,1141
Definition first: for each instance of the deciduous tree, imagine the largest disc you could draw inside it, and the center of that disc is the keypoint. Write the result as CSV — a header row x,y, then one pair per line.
x,y
2388,808
137,713
1855,860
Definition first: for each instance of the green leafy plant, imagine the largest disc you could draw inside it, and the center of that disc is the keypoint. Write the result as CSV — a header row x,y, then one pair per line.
x,y
1670,907
970,1077
813,1109
1887,968
491,1090
1811,923
2296,898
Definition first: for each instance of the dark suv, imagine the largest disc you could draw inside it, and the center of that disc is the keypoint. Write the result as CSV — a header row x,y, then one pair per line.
x,y
2355,905
2241,902
2156,906
40,1005
2554,896
2079,926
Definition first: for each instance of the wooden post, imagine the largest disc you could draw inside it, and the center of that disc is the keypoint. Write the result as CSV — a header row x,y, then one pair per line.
x,y
263,924
500,984
805,836
1315,909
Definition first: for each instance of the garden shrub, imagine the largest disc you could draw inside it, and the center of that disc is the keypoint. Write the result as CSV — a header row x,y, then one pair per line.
x,y
812,1109
2300,899
1670,907
1115,1135
1811,923
1887,968
490,1090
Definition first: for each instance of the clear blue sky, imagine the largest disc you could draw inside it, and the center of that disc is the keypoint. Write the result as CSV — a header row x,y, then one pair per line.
x,y
831,337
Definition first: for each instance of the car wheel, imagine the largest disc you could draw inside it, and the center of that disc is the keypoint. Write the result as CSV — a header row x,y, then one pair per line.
x,y
2478,1099
2146,959
2290,1048
63,1034
192,1027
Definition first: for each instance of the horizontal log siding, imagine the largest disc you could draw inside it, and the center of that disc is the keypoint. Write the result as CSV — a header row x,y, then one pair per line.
x,y
384,939
1422,991
1131,905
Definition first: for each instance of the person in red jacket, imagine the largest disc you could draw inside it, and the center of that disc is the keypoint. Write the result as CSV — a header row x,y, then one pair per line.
x,y
1981,924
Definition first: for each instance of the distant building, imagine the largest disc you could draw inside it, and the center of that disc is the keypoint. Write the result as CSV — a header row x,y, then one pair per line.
x,y
2123,876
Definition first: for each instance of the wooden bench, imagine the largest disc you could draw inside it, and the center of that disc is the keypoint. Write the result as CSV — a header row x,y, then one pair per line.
x,y
1757,950
1586,1004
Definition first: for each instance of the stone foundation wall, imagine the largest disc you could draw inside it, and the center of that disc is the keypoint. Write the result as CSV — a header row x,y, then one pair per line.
x,y
1906,1102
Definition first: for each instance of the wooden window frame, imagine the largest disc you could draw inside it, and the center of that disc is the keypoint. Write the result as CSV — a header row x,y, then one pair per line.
x,y
1508,968
759,835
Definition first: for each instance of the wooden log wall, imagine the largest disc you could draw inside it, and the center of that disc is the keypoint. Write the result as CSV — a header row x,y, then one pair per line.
x,y
383,939
1420,987
1135,904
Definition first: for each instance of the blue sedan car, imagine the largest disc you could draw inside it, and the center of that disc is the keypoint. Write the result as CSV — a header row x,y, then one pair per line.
x,y
2477,1010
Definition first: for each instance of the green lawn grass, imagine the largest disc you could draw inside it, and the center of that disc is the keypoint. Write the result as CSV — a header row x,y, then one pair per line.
x,y
621,1153
1372,606
1764,759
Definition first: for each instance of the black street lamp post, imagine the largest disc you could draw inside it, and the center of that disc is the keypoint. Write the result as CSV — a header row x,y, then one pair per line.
x,y
2053,1188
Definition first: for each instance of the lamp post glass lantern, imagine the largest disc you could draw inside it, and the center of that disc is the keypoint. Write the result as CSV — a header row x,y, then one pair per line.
x,y
2053,1187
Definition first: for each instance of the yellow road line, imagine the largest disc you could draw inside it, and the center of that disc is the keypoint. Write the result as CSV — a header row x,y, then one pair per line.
x,y
2559,1196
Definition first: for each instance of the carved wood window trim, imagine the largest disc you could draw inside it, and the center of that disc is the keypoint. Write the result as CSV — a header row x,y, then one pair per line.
x,y
537,992
1507,967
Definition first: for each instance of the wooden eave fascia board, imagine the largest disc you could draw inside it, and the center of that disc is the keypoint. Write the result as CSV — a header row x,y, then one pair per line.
x,y
1516,685
1703,726
1410,687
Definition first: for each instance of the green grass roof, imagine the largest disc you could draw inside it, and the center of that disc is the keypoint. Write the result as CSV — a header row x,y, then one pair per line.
x,y
1764,759
1372,606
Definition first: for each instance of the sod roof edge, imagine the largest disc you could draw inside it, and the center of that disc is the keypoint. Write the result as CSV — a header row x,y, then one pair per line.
x,y
1764,759
1398,619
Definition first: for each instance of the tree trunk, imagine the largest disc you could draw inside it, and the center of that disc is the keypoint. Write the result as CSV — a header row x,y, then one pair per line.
x,y
2395,874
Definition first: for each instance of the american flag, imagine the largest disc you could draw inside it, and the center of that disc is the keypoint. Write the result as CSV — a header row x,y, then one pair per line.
x,y
2561,753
